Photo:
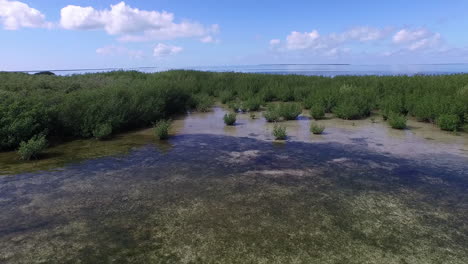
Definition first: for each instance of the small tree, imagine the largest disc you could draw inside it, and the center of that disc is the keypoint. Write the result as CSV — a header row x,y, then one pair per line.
x,y
161,129
279,132
230,119
32,148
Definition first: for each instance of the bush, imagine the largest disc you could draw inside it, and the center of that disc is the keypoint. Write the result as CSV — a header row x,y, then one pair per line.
x,y
103,131
203,103
229,119
316,129
397,121
286,111
279,132
317,112
290,111
272,114
161,129
226,96
252,104
350,111
449,122
32,148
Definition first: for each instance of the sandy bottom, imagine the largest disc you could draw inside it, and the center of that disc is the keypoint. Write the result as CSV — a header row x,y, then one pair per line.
x,y
360,193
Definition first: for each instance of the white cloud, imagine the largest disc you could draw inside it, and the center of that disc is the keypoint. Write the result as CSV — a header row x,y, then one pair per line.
x,y
417,39
331,43
407,35
275,42
362,34
163,50
209,39
297,40
336,44
113,50
15,15
132,24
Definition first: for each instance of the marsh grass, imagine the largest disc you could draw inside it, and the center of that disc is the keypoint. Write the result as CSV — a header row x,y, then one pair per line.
x,y
397,121
229,119
32,148
161,129
279,132
316,128
449,122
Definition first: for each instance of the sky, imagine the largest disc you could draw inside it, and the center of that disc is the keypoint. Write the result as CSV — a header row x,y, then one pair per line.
x,y
78,34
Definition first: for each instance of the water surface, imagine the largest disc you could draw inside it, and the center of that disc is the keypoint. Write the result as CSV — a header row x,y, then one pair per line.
x,y
305,69
360,193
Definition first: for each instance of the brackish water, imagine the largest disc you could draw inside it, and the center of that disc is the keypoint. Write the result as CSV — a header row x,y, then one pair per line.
x,y
305,69
360,193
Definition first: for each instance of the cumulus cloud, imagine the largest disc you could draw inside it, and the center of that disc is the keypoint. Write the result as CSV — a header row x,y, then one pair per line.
x,y
15,15
163,50
113,50
132,24
336,44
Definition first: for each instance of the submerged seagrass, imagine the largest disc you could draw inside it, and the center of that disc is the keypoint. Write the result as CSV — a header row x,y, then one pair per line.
x,y
258,202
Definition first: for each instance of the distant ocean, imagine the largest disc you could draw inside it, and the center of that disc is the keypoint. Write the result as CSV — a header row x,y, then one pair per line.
x,y
305,69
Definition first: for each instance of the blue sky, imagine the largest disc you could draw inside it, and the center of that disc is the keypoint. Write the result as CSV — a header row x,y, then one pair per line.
x,y
66,34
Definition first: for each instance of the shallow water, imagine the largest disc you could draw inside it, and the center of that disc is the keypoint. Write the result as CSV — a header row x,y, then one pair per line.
x,y
306,69
360,193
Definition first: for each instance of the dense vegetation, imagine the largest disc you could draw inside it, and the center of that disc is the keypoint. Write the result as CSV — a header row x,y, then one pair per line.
x,y
97,105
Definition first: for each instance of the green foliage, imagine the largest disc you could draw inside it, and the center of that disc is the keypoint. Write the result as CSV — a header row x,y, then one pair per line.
x,y
279,132
349,111
272,114
353,102
317,112
397,121
203,102
252,104
161,129
32,148
102,131
226,96
289,111
229,119
282,111
75,106
316,128
449,122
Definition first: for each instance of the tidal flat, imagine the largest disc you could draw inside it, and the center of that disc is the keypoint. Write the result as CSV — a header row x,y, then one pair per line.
x,y
359,193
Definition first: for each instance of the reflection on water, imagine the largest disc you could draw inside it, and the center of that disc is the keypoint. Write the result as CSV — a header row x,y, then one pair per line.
x,y
229,195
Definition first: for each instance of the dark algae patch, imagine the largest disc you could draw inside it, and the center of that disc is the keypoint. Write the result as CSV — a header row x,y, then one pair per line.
x,y
225,199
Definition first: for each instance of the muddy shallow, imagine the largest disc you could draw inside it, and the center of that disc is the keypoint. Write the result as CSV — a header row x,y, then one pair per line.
x,y
360,193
